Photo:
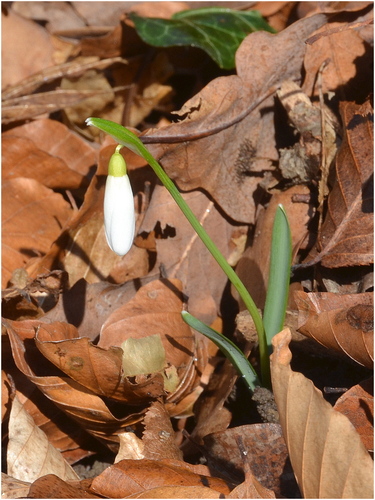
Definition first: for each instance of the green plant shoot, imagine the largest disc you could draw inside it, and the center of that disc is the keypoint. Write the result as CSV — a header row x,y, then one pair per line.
x,y
130,140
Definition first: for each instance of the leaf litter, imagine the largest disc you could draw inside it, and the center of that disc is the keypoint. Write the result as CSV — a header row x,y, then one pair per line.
x,y
292,124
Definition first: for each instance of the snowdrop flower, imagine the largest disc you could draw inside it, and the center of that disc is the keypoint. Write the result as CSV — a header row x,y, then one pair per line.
x,y
119,218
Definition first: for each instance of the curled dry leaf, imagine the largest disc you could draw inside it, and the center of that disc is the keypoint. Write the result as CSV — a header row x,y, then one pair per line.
x,y
156,309
346,236
328,457
29,453
266,455
130,477
95,371
159,437
78,402
232,122
33,216
51,486
340,322
358,405
13,488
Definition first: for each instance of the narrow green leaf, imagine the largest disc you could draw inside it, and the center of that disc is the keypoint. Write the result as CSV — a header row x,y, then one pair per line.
x,y
218,31
279,276
228,348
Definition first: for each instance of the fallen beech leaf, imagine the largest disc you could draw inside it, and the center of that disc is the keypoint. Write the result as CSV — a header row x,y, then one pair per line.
x,y
328,457
340,322
131,447
156,309
358,405
13,488
87,306
57,140
51,486
93,367
79,403
159,437
33,216
182,254
179,492
22,158
129,477
266,455
346,236
29,453
24,37
232,122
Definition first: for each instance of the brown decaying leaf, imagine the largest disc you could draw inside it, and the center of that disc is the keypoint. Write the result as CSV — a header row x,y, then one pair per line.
x,y
358,405
266,455
13,488
346,236
179,492
232,120
79,403
29,454
130,477
328,457
23,37
22,158
159,437
182,254
340,322
56,139
51,486
156,309
33,216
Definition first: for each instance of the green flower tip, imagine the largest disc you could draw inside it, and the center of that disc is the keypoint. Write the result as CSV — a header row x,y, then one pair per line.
x,y
117,164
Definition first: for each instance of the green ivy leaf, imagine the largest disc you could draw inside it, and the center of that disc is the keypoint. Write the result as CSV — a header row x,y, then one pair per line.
x,y
218,31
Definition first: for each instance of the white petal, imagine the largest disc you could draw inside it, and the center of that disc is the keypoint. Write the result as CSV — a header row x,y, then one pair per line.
x,y
119,218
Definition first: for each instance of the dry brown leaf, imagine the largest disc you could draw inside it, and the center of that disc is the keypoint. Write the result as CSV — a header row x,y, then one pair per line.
x,y
51,486
345,54
340,322
79,403
266,455
358,405
328,457
29,454
179,492
130,477
22,158
159,437
182,254
156,309
87,306
57,140
33,216
232,122
86,363
346,236
23,37
13,488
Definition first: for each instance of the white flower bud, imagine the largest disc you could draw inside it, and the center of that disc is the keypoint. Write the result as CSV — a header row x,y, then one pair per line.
x,y
119,218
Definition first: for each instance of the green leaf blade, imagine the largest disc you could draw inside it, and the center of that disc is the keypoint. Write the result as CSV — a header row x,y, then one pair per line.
x,y
217,31
279,276
228,348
